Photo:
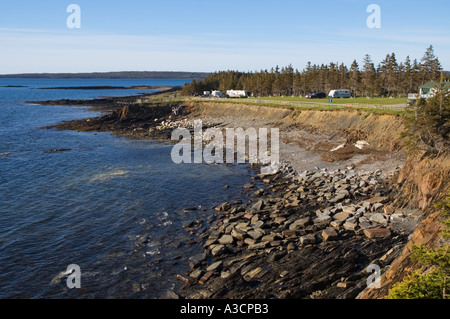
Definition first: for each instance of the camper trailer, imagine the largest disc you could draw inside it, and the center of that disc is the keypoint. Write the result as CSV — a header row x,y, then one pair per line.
x,y
340,93
237,94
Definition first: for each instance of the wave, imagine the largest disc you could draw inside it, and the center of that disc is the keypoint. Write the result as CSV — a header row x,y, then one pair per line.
x,y
109,175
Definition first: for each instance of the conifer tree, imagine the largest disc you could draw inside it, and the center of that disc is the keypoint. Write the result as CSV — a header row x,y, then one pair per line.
x,y
355,78
368,77
431,67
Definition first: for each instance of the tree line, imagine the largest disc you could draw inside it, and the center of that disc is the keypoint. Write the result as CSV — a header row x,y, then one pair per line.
x,y
388,78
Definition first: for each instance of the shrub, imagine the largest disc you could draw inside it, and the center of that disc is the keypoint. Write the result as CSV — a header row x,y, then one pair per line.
x,y
419,286
434,284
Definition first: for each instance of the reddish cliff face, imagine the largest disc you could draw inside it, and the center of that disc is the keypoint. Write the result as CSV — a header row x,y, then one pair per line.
x,y
423,182
427,234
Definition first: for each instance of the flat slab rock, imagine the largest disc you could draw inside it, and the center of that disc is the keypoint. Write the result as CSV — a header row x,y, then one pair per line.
x,y
271,248
377,200
377,233
330,234
294,274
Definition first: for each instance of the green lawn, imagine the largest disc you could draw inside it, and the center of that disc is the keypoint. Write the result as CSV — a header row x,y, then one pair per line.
x,y
358,100
319,104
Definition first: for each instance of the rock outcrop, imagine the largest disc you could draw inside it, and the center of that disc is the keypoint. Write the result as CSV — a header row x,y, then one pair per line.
x,y
422,182
310,235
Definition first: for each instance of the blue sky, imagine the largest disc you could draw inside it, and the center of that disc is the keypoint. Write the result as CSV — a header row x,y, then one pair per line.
x,y
138,35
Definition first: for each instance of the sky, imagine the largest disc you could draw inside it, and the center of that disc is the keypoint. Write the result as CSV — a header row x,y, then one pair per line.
x,y
208,36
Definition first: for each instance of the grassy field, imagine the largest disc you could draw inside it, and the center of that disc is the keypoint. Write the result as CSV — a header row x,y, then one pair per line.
x,y
308,105
378,105
358,100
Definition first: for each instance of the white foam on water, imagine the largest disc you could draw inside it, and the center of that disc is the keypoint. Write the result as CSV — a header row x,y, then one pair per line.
x,y
164,220
109,175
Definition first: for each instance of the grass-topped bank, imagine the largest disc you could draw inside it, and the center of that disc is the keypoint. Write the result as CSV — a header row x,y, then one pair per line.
x,y
356,100
300,104
378,105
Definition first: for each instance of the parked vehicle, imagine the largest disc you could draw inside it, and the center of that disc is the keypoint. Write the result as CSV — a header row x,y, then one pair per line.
x,y
237,94
216,94
316,96
410,103
339,93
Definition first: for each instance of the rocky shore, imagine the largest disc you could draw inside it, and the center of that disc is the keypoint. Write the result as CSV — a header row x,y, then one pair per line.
x,y
106,104
307,235
311,230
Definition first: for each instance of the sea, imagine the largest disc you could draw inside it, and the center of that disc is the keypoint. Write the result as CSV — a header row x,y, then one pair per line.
x,y
112,206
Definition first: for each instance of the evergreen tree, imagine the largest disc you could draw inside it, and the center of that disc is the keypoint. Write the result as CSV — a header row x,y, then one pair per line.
x,y
286,80
354,78
407,77
332,78
384,75
431,67
392,72
267,81
308,79
322,78
297,87
368,77
417,78
343,76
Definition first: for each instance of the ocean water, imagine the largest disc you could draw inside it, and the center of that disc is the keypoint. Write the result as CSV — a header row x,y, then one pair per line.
x,y
89,205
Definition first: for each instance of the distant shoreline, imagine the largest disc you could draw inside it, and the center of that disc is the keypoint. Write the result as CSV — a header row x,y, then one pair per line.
x,y
110,75
141,87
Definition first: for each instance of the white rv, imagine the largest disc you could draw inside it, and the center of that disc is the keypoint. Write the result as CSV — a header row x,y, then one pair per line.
x,y
237,93
340,93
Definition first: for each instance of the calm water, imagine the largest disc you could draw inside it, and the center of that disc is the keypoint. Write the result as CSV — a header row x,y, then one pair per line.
x,y
87,206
